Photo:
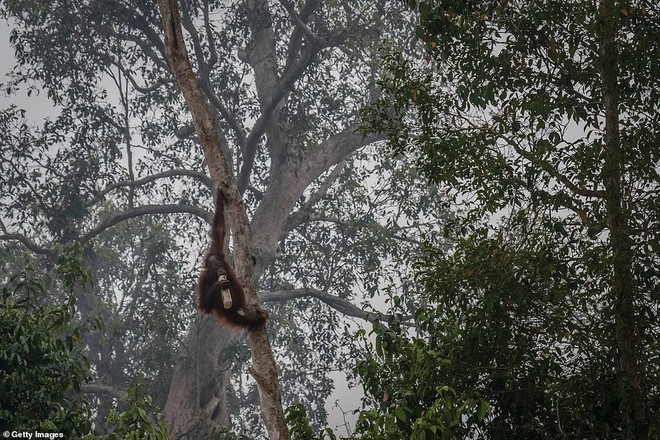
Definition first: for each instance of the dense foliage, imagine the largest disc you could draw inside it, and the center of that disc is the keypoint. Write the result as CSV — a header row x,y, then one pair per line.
x,y
41,359
405,381
44,367
540,120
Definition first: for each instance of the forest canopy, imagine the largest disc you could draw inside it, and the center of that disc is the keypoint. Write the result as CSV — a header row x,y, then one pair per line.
x,y
539,119
454,203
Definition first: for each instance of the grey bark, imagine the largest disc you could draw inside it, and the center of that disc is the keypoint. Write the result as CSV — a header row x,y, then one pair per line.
x,y
623,285
197,400
263,363
288,179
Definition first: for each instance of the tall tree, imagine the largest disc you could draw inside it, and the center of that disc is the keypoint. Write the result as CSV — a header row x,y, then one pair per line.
x,y
284,83
206,126
542,117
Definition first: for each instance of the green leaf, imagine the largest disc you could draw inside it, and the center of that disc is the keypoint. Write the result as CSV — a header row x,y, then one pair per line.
x,y
401,414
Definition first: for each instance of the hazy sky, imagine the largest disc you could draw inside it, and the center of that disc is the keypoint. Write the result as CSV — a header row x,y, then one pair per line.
x,y
37,106
6,55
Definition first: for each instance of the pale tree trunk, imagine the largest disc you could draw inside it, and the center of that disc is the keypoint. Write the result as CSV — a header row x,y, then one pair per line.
x,y
623,286
263,363
197,399
272,219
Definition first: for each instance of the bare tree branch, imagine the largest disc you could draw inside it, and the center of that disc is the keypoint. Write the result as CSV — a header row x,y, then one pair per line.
x,y
209,37
108,223
144,210
205,72
141,23
311,36
304,212
271,215
550,169
26,242
169,173
322,191
300,24
143,89
272,89
341,305
344,143
226,115
282,88
295,41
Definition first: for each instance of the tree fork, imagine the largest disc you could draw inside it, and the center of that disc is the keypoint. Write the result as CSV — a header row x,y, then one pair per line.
x,y
623,288
264,368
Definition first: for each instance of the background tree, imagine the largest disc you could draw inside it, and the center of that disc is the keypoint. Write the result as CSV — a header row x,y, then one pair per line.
x,y
541,118
405,382
41,360
285,82
45,370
